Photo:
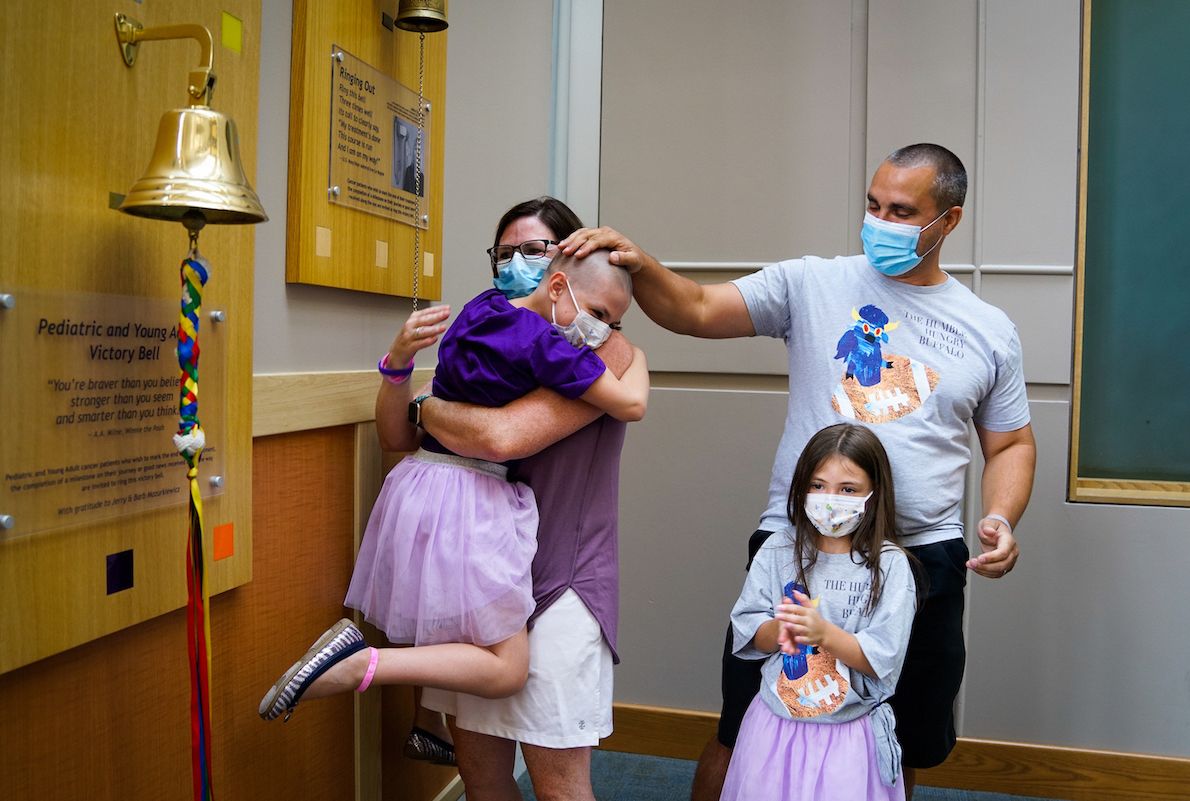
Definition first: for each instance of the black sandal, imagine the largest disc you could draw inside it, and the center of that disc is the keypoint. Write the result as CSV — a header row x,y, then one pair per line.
x,y
423,745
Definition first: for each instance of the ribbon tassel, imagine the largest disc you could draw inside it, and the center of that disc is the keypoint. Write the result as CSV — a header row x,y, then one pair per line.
x,y
190,442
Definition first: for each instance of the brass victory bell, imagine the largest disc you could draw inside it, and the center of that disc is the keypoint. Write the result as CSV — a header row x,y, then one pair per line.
x,y
195,175
421,16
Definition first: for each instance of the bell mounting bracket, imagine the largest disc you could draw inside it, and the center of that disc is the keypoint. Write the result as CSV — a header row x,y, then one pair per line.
x,y
130,33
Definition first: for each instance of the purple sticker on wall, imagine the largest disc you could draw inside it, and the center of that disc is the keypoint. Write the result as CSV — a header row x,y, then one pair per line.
x,y
119,571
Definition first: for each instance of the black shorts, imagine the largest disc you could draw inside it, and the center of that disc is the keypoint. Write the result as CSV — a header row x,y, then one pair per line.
x,y
930,679
933,671
740,678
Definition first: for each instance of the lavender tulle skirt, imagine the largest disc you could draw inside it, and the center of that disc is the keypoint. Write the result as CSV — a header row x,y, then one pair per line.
x,y
446,556
792,760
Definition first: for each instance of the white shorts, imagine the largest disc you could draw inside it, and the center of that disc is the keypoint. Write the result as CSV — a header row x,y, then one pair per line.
x,y
567,700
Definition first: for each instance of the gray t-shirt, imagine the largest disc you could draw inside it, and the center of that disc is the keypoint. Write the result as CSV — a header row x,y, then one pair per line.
x,y
818,688
821,687
913,363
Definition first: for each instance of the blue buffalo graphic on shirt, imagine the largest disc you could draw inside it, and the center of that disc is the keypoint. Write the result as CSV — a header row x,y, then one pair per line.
x,y
877,386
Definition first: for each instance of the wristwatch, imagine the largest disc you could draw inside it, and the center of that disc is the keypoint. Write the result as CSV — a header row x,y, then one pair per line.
x,y
415,410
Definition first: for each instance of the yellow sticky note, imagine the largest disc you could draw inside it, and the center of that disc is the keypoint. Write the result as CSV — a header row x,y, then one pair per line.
x,y
428,265
233,33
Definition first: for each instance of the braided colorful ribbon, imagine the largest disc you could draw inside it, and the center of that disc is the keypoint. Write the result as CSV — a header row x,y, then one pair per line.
x,y
190,441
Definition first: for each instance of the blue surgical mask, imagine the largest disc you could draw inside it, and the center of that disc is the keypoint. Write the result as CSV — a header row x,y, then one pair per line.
x,y
584,329
520,276
891,247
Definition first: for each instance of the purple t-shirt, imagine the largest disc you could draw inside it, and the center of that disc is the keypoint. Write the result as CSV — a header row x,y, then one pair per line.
x,y
577,484
494,353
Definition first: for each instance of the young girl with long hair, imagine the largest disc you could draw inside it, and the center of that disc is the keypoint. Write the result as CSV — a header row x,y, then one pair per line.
x,y
829,603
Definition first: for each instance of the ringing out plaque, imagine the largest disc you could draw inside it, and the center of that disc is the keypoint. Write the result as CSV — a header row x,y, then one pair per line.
x,y
90,392
377,163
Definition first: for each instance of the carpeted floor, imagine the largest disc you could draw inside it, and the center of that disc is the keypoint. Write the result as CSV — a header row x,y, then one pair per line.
x,y
633,777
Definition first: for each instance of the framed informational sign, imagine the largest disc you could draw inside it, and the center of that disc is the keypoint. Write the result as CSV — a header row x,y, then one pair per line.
x,y
93,380
377,148
365,178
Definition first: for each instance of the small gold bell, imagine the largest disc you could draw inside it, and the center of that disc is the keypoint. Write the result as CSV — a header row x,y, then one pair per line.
x,y
421,16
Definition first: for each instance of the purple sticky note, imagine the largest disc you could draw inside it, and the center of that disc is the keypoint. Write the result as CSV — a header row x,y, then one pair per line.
x,y
119,571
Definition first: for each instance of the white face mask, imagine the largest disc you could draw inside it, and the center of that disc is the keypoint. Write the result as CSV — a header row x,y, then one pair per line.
x,y
584,329
835,515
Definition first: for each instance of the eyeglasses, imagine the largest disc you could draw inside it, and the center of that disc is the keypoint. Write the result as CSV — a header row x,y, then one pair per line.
x,y
530,249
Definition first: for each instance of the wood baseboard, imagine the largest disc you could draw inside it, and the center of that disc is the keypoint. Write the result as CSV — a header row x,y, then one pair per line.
x,y
453,791
1071,774
659,731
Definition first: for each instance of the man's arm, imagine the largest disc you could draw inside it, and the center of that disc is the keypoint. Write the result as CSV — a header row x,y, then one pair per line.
x,y
523,427
1009,460
714,311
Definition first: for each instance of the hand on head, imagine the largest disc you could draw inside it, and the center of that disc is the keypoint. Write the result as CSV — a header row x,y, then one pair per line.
x,y
585,241
590,284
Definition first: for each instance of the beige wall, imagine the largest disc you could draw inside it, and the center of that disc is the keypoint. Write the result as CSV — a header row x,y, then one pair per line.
x,y
747,137
752,140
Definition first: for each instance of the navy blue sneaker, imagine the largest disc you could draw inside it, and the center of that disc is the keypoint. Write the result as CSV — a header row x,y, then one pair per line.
x,y
336,644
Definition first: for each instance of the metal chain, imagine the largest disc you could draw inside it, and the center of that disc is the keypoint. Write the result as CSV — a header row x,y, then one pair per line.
x,y
419,177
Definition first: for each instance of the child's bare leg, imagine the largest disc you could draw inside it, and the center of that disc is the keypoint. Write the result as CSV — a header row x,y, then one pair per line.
x,y
494,671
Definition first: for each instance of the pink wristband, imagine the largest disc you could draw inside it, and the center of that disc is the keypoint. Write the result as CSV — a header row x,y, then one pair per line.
x,y
363,685
394,376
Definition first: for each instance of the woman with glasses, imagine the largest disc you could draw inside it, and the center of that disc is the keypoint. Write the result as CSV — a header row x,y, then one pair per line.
x,y
527,239
445,561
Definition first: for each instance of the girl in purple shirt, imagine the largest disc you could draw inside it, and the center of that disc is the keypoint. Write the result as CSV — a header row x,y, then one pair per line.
x,y
446,556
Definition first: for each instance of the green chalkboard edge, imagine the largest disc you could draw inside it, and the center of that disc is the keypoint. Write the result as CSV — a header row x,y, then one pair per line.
x,y
1090,489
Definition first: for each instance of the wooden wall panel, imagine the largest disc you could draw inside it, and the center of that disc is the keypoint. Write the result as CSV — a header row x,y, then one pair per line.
x,y
110,719
347,258
405,779
82,126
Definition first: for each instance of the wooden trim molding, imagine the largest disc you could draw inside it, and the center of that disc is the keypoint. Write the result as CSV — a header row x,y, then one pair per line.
x,y
452,791
1144,493
659,731
1073,774
1048,771
1080,246
287,402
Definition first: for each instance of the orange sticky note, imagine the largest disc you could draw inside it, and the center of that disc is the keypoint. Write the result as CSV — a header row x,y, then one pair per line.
x,y
225,541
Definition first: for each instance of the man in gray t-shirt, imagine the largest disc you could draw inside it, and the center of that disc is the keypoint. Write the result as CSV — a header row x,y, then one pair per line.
x,y
889,340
